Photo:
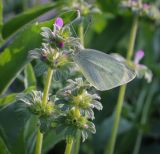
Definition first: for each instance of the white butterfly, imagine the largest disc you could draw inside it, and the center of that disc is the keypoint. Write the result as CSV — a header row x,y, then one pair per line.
x,y
102,70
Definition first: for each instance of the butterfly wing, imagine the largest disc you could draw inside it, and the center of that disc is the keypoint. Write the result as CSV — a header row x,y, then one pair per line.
x,y
102,70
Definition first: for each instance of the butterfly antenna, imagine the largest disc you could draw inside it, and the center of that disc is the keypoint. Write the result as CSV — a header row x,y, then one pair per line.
x,y
89,23
74,30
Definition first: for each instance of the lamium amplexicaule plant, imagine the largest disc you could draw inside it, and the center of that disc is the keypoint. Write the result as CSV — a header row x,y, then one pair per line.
x,y
71,107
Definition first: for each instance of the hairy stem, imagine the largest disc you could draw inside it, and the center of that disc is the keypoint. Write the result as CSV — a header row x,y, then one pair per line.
x,y
132,38
39,142
69,146
77,143
78,136
44,102
81,34
47,86
111,145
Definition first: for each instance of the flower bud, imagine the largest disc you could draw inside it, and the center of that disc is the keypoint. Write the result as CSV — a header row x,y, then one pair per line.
x,y
59,22
61,44
138,56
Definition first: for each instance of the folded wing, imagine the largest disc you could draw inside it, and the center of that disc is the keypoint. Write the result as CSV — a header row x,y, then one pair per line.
x,y
102,70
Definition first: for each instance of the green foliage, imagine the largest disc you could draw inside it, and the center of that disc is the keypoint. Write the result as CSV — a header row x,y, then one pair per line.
x,y
11,98
14,61
1,15
109,32
13,129
1,20
30,79
3,148
14,57
17,22
4,101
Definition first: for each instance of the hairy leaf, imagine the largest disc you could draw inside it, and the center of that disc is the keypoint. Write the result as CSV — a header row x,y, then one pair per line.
x,y
20,20
11,98
30,79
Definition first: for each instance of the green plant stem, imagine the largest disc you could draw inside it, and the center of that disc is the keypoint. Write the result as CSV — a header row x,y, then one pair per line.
x,y
132,38
78,136
69,147
110,147
81,34
44,102
77,143
39,142
47,86
144,117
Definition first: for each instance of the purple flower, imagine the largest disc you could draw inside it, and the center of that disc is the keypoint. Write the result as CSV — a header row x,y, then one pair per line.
x,y
59,22
142,70
61,44
146,6
138,56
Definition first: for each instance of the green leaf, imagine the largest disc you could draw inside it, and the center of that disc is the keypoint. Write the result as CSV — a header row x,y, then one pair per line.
x,y
3,148
14,58
113,34
19,134
11,128
5,101
1,13
105,129
20,20
30,79
99,22
9,99
30,132
51,139
1,19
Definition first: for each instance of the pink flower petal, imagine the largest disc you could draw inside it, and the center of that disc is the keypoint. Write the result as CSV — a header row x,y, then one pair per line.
x,y
59,22
138,56
146,6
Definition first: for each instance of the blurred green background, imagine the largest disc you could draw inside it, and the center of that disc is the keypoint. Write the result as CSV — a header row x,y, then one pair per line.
x,y
108,32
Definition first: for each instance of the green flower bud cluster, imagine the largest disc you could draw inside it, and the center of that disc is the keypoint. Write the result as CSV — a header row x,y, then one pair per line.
x,y
77,104
54,53
72,122
145,10
75,94
33,102
84,7
71,108
46,113
60,37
